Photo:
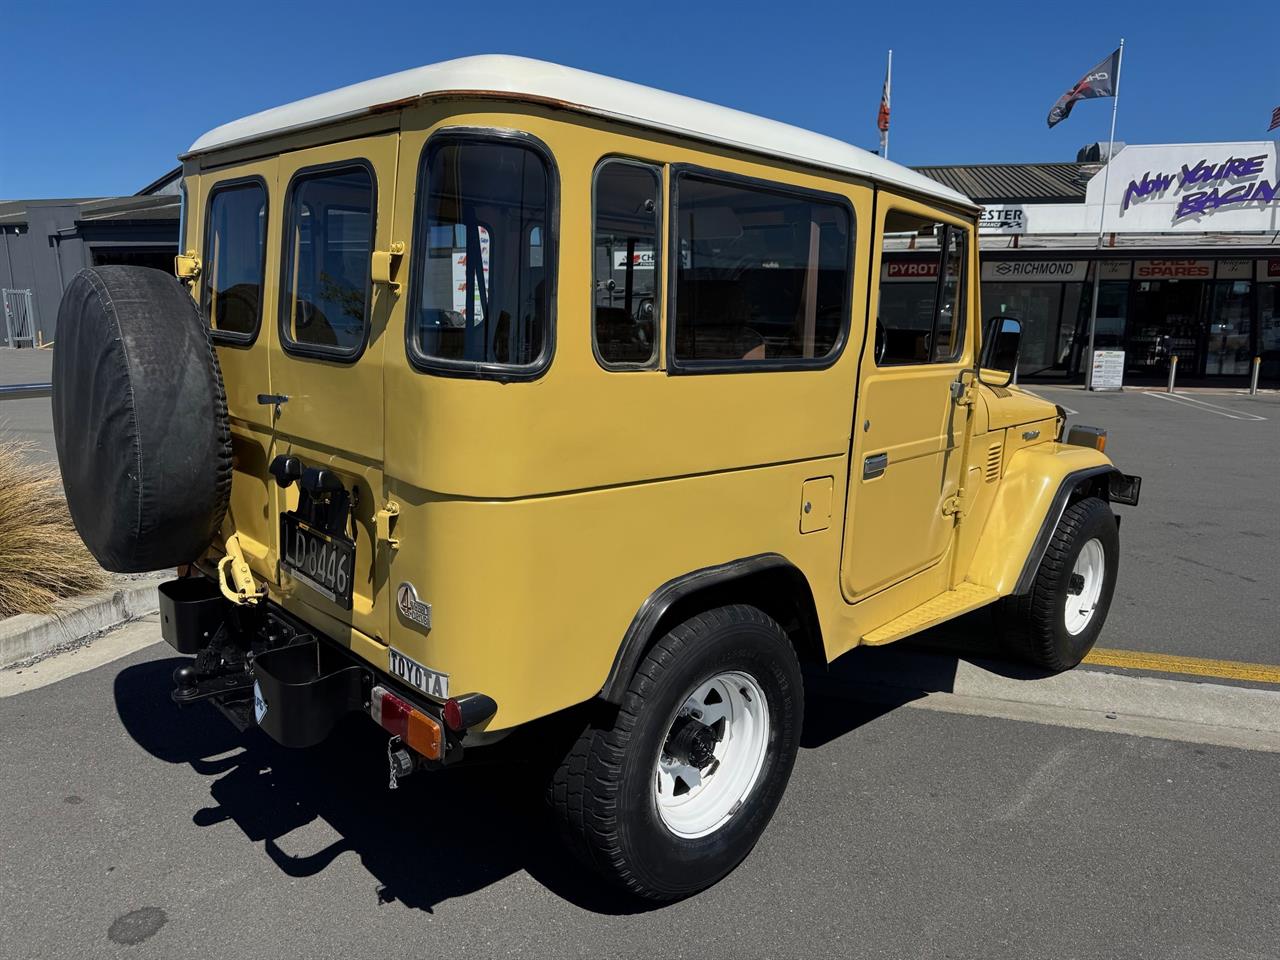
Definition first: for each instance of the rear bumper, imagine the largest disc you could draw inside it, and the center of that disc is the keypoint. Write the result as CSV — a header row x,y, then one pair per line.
x,y
261,665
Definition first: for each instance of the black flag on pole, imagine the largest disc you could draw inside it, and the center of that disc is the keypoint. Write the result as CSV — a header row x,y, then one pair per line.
x,y
1098,82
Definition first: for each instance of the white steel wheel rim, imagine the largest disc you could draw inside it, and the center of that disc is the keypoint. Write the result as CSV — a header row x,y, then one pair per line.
x,y
695,802
1085,587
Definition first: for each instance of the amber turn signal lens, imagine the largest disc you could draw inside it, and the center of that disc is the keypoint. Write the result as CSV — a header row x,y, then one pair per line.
x,y
401,719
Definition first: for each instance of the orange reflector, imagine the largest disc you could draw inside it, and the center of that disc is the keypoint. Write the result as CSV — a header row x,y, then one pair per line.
x,y
424,735
401,719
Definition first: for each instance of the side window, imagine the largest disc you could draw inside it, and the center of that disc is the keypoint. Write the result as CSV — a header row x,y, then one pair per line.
x,y
328,242
625,263
921,315
482,276
761,273
234,253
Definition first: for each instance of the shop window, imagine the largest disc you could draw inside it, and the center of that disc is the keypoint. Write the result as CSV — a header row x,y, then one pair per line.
x,y
625,263
234,252
328,246
922,280
1229,325
761,274
482,292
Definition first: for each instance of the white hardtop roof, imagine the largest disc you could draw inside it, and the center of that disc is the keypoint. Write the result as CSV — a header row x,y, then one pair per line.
x,y
520,77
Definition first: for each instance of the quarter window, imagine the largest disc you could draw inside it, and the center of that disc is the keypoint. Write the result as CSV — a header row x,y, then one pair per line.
x,y
235,248
761,273
483,280
328,246
921,314
625,257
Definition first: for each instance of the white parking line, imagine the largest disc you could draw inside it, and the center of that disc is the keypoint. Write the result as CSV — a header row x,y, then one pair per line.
x,y
1203,405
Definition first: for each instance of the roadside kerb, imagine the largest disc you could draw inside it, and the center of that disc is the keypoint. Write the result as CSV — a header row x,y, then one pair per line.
x,y
892,676
30,635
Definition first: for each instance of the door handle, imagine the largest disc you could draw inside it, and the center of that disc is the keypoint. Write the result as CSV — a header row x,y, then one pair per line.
x,y
874,465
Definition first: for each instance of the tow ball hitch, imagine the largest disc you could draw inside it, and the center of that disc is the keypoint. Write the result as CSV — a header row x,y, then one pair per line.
x,y
401,760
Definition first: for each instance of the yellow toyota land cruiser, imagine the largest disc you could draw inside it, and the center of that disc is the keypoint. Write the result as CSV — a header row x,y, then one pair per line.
x,y
494,391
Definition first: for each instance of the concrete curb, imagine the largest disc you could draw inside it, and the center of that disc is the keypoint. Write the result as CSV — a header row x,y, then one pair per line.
x,y
29,635
895,676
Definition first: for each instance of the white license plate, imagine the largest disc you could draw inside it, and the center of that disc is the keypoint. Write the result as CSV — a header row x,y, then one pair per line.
x,y
431,682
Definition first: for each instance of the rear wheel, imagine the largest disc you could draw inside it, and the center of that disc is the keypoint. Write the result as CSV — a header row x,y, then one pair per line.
x,y
1055,625
675,793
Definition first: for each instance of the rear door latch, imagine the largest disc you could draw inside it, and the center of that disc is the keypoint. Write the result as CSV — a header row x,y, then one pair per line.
x,y
273,400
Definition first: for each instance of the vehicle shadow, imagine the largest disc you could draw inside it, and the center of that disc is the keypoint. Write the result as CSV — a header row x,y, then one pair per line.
x,y
437,837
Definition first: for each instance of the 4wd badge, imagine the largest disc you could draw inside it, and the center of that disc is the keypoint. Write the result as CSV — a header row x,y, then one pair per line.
x,y
419,611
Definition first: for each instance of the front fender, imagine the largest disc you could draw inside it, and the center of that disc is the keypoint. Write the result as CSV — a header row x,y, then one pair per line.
x,y
1038,484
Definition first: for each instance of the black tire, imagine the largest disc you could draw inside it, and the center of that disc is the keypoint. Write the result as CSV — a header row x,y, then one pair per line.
x,y
603,792
1034,626
140,419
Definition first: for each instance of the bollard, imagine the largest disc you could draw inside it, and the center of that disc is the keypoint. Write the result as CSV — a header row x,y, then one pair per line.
x,y
1173,372
1253,380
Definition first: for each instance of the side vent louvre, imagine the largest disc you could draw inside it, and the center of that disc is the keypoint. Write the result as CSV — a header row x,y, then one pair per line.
x,y
992,470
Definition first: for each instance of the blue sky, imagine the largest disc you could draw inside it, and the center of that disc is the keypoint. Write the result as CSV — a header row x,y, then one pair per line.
x,y
99,98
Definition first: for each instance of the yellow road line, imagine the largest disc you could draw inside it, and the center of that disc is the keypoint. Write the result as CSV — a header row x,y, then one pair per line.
x,y
1195,666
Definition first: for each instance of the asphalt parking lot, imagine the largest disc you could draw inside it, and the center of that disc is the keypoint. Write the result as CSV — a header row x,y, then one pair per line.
x,y
1200,555
28,421
133,829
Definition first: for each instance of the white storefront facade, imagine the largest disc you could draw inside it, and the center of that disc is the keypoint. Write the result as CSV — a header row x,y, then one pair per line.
x,y
1189,261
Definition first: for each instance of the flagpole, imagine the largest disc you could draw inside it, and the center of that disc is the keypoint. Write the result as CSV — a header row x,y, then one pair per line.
x,y
1102,218
888,92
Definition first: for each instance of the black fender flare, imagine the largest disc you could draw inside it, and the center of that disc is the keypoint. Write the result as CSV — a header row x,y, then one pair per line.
x,y
1105,481
640,632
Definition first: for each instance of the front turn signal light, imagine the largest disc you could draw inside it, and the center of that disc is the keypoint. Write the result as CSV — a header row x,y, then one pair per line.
x,y
1082,436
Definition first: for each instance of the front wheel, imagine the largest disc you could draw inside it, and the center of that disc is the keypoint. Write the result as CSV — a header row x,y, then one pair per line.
x,y
1055,625
672,796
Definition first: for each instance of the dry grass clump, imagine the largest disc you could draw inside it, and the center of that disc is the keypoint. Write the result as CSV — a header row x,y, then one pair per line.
x,y
42,558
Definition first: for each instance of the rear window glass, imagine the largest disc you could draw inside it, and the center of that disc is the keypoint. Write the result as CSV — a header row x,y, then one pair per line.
x,y
761,274
328,246
234,259
483,265
625,262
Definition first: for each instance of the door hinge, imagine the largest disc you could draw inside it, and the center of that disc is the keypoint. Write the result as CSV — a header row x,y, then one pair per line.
x,y
384,520
386,265
962,390
186,266
955,506
235,579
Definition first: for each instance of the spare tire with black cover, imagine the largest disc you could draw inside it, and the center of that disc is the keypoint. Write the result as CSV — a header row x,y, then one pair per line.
x,y
140,419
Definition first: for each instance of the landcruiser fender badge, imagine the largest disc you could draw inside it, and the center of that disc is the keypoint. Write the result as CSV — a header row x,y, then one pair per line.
x,y
419,611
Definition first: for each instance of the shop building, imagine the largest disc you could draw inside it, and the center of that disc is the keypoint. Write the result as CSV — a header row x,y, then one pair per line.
x,y
1188,263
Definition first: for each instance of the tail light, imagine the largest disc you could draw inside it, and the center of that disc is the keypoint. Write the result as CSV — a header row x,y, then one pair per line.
x,y
401,719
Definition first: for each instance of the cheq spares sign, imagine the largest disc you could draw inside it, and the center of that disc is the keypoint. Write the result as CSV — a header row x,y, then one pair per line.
x,y
1172,269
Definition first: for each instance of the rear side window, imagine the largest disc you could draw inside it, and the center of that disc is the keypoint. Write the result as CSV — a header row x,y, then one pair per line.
x,y
484,257
762,274
625,260
235,252
328,244
921,315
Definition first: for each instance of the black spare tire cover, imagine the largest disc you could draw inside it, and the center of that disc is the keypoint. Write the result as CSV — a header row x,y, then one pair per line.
x,y
140,419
